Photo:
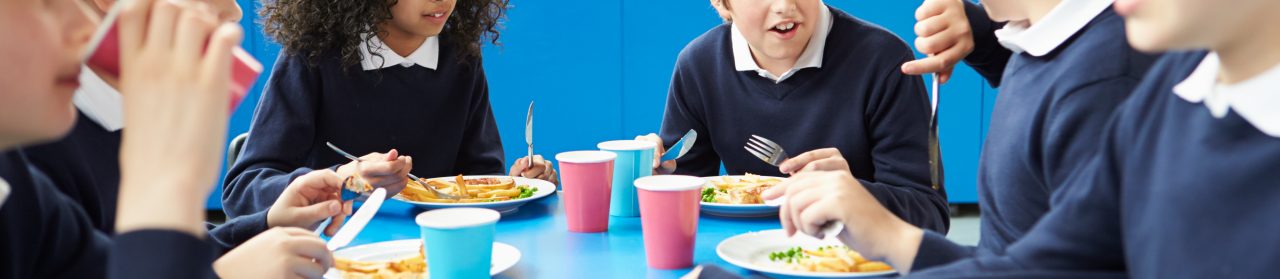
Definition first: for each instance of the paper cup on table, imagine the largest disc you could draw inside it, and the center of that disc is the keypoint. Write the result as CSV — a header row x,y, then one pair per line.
x,y
586,178
635,160
669,218
458,241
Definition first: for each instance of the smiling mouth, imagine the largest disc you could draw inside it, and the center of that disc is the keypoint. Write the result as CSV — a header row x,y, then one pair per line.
x,y
434,15
784,28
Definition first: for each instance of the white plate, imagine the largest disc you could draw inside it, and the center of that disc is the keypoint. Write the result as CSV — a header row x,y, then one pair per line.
x,y
504,256
738,210
751,251
542,189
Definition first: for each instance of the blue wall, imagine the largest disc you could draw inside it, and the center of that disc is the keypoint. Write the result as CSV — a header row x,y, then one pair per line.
x,y
599,71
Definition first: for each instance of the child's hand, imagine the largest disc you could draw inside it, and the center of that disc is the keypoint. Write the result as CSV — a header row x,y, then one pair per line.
x,y
389,170
309,200
541,169
175,61
944,34
277,253
826,159
659,167
815,198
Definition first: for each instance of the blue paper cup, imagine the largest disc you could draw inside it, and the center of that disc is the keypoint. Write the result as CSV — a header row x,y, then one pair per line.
x,y
635,160
459,241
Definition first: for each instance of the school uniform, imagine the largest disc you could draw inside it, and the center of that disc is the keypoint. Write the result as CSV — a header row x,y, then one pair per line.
x,y
988,58
432,105
845,91
47,235
1068,75
85,164
1184,185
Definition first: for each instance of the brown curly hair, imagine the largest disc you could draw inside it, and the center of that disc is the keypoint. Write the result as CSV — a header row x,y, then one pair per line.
x,y
311,27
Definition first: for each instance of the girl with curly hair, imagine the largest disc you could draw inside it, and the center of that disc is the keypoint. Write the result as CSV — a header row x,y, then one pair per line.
x,y
399,76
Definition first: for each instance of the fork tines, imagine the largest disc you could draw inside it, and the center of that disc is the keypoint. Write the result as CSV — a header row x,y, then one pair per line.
x,y
765,149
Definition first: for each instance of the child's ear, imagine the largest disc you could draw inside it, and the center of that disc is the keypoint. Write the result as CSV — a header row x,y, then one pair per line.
x,y
722,8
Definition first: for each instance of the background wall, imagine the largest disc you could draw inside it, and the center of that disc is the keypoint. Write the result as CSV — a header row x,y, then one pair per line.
x,y
599,70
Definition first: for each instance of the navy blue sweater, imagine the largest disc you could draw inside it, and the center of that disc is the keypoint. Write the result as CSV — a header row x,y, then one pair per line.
x,y
858,102
1172,193
440,117
44,234
85,166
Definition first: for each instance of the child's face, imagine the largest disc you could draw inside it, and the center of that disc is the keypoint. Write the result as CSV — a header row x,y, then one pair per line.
x,y
776,29
41,73
1159,25
421,17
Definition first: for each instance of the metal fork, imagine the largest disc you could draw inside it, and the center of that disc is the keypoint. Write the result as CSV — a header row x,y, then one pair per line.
x,y
766,150
411,176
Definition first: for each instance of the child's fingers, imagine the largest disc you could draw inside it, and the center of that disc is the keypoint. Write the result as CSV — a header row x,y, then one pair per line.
x,y
194,26
800,201
815,216
929,26
799,162
930,8
518,167
131,27
310,247
217,56
164,17
828,164
785,219
392,155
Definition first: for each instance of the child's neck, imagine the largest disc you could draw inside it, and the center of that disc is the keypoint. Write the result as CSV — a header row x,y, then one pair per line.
x,y
1249,52
777,67
1038,9
401,42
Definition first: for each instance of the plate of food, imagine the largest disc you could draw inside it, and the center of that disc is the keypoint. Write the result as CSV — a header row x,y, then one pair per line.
x,y
402,259
502,193
773,253
738,195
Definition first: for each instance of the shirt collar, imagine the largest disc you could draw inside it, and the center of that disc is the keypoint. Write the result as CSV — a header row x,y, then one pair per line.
x,y
99,101
1254,100
810,58
427,55
1055,28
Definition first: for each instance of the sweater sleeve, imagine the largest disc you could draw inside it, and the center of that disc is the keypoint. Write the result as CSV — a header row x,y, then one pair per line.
x,y
481,151
898,126
682,114
935,250
237,230
279,142
988,57
160,254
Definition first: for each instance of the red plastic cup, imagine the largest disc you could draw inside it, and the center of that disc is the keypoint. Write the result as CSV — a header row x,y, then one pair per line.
x,y
586,178
669,218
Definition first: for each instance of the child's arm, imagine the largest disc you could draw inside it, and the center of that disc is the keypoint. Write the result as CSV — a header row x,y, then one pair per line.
x,y
681,115
481,151
280,137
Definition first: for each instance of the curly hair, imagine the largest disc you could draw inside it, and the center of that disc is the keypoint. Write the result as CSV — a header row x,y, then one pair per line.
x,y
310,27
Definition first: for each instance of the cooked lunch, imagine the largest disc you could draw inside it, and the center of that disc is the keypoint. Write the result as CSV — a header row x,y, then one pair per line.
x,y
834,258
744,189
472,190
414,266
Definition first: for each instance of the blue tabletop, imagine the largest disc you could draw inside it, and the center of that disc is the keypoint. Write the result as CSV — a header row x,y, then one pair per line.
x,y
550,251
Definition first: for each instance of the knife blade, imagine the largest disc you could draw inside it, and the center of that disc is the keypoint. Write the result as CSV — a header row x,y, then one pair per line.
x,y
681,147
528,133
358,220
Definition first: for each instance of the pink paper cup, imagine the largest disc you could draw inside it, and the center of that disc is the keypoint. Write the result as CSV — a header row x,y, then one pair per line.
x,y
586,179
669,218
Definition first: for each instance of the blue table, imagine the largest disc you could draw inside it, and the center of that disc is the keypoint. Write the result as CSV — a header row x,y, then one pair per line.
x,y
550,251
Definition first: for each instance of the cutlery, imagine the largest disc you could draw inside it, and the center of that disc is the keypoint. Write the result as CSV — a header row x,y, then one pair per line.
x,y
528,133
346,192
358,220
935,150
681,147
766,150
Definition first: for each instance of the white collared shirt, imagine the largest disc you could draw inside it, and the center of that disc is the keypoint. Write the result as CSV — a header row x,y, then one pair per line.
x,y
810,58
1055,28
1256,100
99,101
427,55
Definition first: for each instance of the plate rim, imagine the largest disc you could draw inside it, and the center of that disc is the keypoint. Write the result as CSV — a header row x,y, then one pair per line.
x,y
493,271
720,252
544,188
